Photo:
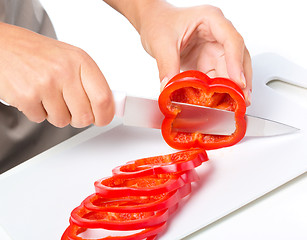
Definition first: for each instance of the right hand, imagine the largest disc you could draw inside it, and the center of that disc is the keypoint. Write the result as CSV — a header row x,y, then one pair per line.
x,y
48,79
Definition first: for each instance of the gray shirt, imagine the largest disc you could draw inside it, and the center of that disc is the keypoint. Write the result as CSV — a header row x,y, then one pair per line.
x,y
21,139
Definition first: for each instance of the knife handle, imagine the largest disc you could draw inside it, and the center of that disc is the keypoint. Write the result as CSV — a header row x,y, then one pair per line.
x,y
119,98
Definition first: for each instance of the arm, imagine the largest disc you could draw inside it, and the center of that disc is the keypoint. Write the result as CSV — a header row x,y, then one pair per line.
x,y
131,9
198,38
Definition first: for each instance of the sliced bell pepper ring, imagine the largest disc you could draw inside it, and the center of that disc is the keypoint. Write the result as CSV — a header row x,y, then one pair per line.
x,y
95,202
74,232
197,88
171,163
119,221
143,186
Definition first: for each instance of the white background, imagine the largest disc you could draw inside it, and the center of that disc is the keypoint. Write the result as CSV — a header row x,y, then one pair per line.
x,y
275,26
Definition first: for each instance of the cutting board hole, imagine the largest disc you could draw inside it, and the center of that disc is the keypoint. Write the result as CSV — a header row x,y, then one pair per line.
x,y
294,92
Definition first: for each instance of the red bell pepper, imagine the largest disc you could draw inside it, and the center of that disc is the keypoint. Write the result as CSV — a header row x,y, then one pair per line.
x,y
95,202
143,186
197,88
119,221
171,163
74,232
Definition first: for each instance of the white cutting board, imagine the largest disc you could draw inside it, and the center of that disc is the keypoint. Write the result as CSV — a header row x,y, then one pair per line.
x,y
38,196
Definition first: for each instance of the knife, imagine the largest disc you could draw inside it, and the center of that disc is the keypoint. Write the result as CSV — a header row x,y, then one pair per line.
x,y
143,112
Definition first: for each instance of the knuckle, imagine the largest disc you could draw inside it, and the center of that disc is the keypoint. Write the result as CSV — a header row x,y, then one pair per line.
x,y
59,122
80,54
59,69
215,10
46,83
240,39
103,101
83,120
62,68
29,98
107,118
38,118
86,119
106,103
33,112
67,66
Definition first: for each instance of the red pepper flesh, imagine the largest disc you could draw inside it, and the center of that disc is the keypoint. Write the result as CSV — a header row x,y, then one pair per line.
x,y
95,202
150,185
171,163
197,88
74,232
119,221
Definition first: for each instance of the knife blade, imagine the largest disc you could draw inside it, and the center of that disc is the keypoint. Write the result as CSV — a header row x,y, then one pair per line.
x,y
143,112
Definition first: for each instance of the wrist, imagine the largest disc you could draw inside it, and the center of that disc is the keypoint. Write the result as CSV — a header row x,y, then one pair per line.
x,y
136,10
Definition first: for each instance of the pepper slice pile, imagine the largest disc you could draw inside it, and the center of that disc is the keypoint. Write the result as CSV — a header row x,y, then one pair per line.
x,y
197,88
137,200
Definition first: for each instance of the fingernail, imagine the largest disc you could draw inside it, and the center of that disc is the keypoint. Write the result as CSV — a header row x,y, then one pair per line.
x,y
163,83
243,80
248,97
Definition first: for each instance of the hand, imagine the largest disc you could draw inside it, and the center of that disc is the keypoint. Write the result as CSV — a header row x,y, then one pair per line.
x,y
198,38
48,79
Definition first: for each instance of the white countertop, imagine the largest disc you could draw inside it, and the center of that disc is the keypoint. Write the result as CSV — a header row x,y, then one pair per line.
x,y
267,26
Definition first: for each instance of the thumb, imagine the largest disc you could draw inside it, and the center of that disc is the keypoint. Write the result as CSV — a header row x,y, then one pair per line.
x,y
168,62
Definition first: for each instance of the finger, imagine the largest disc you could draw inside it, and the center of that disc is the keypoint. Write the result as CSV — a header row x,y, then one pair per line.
x,y
247,64
25,99
221,71
248,72
168,60
98,93
56,109
221,67
35,112
225,34
234,61
211,60
208,56
163,83
211,73
77,102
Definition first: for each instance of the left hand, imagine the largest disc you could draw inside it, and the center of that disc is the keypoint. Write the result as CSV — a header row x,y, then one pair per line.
x,y
198,38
